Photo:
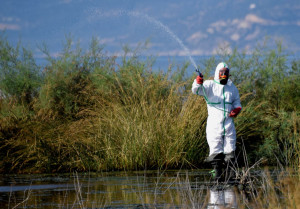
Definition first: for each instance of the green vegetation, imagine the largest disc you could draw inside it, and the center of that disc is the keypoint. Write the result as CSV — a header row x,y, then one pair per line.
x,y
84,111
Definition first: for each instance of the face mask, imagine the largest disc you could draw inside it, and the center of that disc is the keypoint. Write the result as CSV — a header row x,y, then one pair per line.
x,y
223,75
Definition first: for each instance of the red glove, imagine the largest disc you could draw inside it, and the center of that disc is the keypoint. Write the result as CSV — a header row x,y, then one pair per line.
x,y
199,79
235,112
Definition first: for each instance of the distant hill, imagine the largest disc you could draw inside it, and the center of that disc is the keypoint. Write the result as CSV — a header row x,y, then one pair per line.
x,y
203,26
172,27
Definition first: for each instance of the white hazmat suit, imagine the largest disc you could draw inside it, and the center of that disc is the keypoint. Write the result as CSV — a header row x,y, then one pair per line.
x,y
221,100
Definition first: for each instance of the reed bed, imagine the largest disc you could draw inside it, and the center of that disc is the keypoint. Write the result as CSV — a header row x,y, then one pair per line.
x,y
85,112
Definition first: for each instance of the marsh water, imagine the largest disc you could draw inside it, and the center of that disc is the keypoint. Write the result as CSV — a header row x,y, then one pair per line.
x,y
144,189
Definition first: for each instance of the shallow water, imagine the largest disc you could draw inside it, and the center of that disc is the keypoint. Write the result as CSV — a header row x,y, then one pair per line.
x,y
145,189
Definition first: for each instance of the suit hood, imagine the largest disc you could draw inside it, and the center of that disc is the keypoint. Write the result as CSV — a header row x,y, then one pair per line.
x,y
218,68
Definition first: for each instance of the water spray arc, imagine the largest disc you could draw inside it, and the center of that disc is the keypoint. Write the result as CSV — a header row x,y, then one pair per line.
x,y
156,23
166,29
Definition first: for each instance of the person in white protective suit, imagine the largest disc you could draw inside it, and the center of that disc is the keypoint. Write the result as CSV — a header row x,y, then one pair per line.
x,y
223,103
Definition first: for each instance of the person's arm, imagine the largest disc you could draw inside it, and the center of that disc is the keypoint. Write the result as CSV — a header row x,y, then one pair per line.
x,y
198,85
237,107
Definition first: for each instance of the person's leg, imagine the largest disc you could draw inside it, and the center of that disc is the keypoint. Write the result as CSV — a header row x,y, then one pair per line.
x,y
230,166
216,156
230,158
229,144
216,144
217,165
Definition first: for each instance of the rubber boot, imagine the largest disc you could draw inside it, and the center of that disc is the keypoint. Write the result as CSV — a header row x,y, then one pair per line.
x,y
230,173
217,170
216,160
230,165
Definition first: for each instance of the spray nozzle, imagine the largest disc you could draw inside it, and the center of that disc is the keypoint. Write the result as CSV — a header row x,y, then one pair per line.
x,y
199,73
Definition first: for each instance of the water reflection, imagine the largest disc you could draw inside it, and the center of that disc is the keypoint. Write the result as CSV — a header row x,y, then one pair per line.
x,y
222,197
151,189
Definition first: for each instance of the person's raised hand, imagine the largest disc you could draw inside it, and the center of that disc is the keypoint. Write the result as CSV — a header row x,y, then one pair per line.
x,y
199,79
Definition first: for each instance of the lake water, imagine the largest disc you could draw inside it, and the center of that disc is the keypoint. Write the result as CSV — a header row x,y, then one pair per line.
x,y
161,63
145,189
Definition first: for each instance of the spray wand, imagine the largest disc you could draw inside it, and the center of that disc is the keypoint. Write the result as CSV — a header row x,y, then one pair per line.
x,y
199,73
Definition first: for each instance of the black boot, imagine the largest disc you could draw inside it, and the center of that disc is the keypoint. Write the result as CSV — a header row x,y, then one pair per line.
x,y
217,170
230,167
217,161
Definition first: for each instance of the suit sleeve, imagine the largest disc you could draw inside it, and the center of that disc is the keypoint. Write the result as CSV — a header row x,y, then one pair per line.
x,y
237,101
200,89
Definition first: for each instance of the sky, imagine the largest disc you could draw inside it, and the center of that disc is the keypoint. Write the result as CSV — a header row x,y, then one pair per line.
x,y
172,27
